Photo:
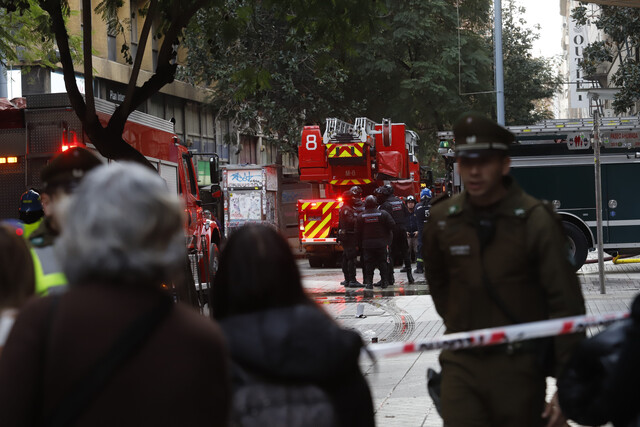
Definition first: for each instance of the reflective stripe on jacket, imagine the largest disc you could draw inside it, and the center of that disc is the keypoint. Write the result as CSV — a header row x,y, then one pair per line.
x,y
30,228
49,276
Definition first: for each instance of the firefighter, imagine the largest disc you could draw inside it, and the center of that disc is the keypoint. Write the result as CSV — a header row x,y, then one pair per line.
x,y
412,229
422,215
497,257
399,246
59,178
30,211
347,238
374,229
358,205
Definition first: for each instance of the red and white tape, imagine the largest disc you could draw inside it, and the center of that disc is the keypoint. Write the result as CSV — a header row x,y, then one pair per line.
x,y
499,335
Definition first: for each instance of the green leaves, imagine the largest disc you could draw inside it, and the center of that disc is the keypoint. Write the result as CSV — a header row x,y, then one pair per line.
x,y
622,27
26,34
272,66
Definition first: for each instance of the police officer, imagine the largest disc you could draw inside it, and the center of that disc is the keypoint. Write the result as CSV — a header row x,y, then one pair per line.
x,y
422,215
30,211
59,178
399,247
374,229
497,256
347,238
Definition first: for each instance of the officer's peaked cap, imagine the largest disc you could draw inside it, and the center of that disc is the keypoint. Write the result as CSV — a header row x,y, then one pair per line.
x,y
68,168
477,135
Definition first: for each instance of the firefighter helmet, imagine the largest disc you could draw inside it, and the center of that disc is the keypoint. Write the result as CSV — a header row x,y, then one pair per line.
x,y
30,201
425,194
356,190
370,202
411,199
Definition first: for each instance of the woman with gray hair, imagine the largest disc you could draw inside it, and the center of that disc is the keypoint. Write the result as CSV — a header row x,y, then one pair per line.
x,y
114,349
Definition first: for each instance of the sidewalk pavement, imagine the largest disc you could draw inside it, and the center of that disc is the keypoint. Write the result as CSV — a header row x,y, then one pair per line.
x,y
406,313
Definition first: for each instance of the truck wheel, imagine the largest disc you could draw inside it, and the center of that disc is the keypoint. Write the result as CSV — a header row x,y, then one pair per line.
x,y
315,262
577,244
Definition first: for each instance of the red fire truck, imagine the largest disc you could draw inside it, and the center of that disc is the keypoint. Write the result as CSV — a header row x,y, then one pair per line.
x,y
34,129
367,154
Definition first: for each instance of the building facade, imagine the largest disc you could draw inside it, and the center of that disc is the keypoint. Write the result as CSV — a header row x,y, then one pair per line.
x,y
184,104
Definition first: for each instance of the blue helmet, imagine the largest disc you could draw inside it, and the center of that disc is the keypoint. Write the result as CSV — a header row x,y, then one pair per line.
x,y
30,201
425,194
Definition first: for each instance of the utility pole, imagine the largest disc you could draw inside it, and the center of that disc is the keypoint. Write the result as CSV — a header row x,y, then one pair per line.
x,y
499,77
598,177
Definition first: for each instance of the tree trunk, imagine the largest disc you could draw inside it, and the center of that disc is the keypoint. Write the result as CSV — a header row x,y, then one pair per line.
x,y
279,211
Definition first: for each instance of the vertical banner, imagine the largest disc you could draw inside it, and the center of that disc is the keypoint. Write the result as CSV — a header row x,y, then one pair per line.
x,y
577,42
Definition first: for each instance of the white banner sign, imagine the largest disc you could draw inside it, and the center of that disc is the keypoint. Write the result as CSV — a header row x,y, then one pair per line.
x,y
577,42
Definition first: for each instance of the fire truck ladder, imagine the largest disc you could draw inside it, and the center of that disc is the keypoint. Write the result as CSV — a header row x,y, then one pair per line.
x,y
365,127
563,126
334,127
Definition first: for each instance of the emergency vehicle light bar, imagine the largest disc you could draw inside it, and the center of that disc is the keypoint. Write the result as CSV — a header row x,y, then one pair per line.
x,y
5,160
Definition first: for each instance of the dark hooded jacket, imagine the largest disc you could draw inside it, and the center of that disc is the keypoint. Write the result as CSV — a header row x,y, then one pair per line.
x,y
301,344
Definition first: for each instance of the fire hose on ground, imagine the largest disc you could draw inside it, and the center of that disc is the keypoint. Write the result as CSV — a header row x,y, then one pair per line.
x,y
499,335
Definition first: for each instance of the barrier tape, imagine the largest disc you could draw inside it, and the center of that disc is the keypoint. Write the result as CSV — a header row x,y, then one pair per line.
x,y
499,335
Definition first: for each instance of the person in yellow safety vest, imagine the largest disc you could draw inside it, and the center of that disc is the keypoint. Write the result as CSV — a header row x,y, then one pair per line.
x,y
31,212
59,178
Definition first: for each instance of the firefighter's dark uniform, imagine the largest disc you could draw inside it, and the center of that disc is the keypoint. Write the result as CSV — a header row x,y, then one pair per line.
x,y
503,264
358,205
373,229
422,215
347,238
399,245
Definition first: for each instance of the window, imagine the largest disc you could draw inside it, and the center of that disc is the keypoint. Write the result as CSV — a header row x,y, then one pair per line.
x,y
134,28
189,174
111,47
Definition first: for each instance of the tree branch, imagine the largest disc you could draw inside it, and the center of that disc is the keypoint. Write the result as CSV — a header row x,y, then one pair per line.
x,y
165,71
53,7
87,57
144,35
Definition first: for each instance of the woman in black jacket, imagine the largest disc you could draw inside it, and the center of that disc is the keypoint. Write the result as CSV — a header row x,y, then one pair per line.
x,y
277,335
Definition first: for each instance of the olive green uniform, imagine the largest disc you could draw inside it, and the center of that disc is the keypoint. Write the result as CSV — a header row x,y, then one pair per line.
x,y
526,263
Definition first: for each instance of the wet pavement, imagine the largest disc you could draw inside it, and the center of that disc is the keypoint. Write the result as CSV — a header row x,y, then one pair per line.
x,y
406,312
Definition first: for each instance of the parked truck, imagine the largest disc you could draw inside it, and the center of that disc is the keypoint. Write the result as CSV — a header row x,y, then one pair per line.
x,y
34,129
366,154
249,195
554,161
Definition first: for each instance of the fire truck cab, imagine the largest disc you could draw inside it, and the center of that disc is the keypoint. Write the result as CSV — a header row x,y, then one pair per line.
x,y
34,129
367,154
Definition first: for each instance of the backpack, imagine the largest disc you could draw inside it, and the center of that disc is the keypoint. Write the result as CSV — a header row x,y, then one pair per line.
x,y
261,402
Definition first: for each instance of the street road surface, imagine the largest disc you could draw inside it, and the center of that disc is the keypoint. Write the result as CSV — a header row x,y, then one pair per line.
x,y
406,312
